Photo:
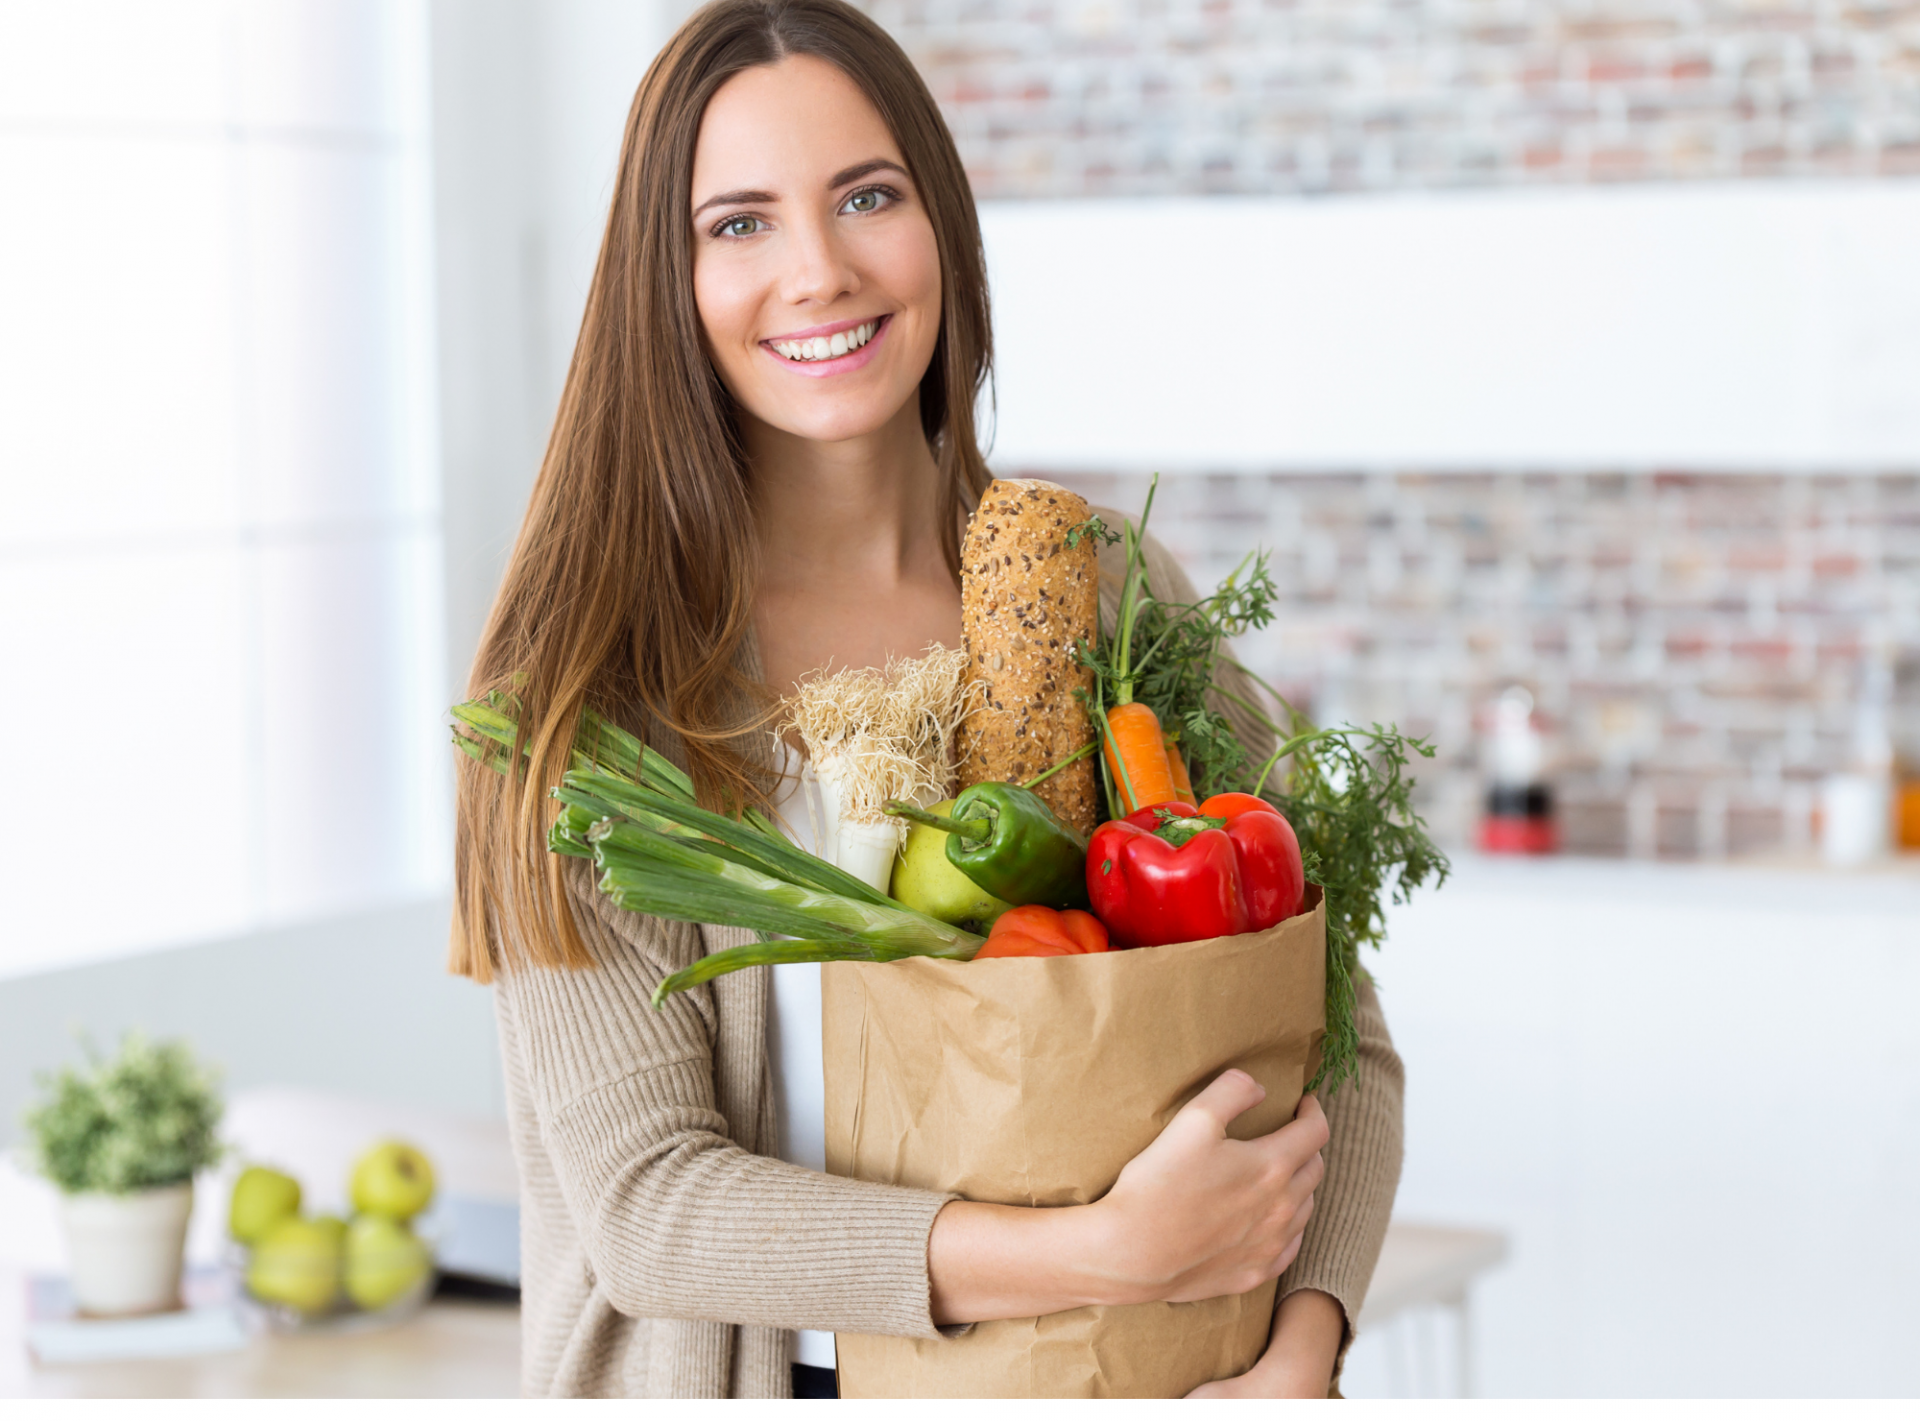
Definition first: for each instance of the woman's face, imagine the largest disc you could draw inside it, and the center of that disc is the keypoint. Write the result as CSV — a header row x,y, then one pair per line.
x,y
815,269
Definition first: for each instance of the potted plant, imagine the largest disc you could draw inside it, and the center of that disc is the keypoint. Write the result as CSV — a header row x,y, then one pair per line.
x,y
122,1141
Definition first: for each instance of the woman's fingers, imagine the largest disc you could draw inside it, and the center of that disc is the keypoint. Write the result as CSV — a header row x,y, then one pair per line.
x,y
1293,1144
1232,1094
1306,1179
1287,1255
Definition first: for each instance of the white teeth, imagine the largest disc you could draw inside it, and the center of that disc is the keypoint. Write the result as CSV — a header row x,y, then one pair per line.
x,y
823,348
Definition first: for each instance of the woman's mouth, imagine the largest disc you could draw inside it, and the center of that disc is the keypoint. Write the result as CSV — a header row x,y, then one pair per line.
x,y
842,350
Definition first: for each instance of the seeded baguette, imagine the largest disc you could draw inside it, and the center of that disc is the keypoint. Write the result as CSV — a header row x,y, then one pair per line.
x,y
1026,599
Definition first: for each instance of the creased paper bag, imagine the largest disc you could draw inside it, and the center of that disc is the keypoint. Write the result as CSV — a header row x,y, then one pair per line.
x,y
1033,1081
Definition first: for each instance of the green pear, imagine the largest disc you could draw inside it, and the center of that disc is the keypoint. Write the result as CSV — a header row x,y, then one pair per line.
x,y
393,1179
927,882
296,1264
261,1198
385,1261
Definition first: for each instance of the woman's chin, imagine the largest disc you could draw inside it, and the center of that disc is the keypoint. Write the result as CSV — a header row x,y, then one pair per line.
x,y
834,422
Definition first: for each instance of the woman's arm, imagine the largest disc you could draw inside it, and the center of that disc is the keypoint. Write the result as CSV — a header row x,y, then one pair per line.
x,y
679,1221
1194,1215
676,1219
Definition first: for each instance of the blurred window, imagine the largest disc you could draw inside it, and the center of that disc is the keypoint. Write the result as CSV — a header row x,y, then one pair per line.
x,y
220,582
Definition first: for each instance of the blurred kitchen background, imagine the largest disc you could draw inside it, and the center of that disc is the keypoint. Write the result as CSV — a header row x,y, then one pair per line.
x,y
1565,356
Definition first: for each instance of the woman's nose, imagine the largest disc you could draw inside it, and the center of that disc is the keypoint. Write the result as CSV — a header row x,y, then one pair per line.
x,y
820,269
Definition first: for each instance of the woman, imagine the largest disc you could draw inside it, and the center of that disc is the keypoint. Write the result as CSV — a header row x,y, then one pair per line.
x,y
761,466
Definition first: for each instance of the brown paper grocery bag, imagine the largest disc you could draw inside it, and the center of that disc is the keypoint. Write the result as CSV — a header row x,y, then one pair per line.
x,y
1033,1081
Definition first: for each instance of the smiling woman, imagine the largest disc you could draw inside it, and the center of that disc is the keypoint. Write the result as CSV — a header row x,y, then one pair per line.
x,y
761,466
849,245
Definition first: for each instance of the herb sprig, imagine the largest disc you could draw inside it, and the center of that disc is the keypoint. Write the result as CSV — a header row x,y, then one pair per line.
x,y
1349,797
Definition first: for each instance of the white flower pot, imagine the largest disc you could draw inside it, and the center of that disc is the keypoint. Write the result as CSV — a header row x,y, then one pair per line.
x,y
124,1250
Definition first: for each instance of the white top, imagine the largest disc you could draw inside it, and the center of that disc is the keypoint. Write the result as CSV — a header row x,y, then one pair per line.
x,y
793,1028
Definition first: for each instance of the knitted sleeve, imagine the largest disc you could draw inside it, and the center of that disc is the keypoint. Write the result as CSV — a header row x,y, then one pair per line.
x,y
1363,1151
677,1219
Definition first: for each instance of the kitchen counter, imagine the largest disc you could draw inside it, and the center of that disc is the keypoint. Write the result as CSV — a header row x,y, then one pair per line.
x,y
452,1348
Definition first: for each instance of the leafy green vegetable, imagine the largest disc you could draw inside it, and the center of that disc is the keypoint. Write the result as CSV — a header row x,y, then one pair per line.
x,y
633,812
143,1120
1349,798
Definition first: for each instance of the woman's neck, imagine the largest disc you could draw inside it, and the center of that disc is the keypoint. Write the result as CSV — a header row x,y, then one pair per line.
x,y
859,509
852,568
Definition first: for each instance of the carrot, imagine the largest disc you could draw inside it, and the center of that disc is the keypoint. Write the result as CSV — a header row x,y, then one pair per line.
x,y
1178,766
1136,753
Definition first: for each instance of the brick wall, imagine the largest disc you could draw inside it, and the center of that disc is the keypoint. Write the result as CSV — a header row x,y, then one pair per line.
x,y
1697,645
1103,97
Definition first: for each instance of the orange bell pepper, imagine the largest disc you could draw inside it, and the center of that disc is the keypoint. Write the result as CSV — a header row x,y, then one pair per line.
x,y
1039,931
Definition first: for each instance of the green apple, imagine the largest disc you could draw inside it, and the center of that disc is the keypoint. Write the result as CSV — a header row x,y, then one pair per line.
x,y
393,1179
297,1264
261,1198
385,1261
927,882
335,1226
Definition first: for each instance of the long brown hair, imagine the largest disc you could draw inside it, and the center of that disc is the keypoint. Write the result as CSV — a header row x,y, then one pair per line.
x,y
631,585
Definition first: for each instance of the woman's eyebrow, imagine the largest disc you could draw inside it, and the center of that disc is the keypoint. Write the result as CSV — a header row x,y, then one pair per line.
x,y
860,170
727,199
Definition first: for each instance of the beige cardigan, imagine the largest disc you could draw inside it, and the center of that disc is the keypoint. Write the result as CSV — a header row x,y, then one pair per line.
x,y
665,1253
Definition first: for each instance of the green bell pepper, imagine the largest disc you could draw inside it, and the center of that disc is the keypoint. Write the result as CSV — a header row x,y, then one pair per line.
x,y
1008,841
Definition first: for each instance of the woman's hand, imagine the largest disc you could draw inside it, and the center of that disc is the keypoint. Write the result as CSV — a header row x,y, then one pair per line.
x,y
1194,1215
1308,1327
1199,1215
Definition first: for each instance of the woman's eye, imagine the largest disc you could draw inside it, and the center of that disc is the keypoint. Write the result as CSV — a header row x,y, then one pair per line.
x,y
868,200
740,226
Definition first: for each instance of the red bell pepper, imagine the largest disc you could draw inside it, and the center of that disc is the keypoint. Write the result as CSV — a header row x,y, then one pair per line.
x,y
1174,873
1038,931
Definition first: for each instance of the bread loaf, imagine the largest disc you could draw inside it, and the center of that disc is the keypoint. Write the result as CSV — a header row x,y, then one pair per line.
x,y
1026,600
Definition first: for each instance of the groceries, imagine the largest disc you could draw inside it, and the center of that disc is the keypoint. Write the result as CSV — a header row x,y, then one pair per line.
x,y
1036,931
1029,602
926,881
1007,840
1032,1082
875,735
1174,873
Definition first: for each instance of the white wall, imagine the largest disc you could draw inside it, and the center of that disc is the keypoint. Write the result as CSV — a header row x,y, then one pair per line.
x,y
220,584
1752,325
